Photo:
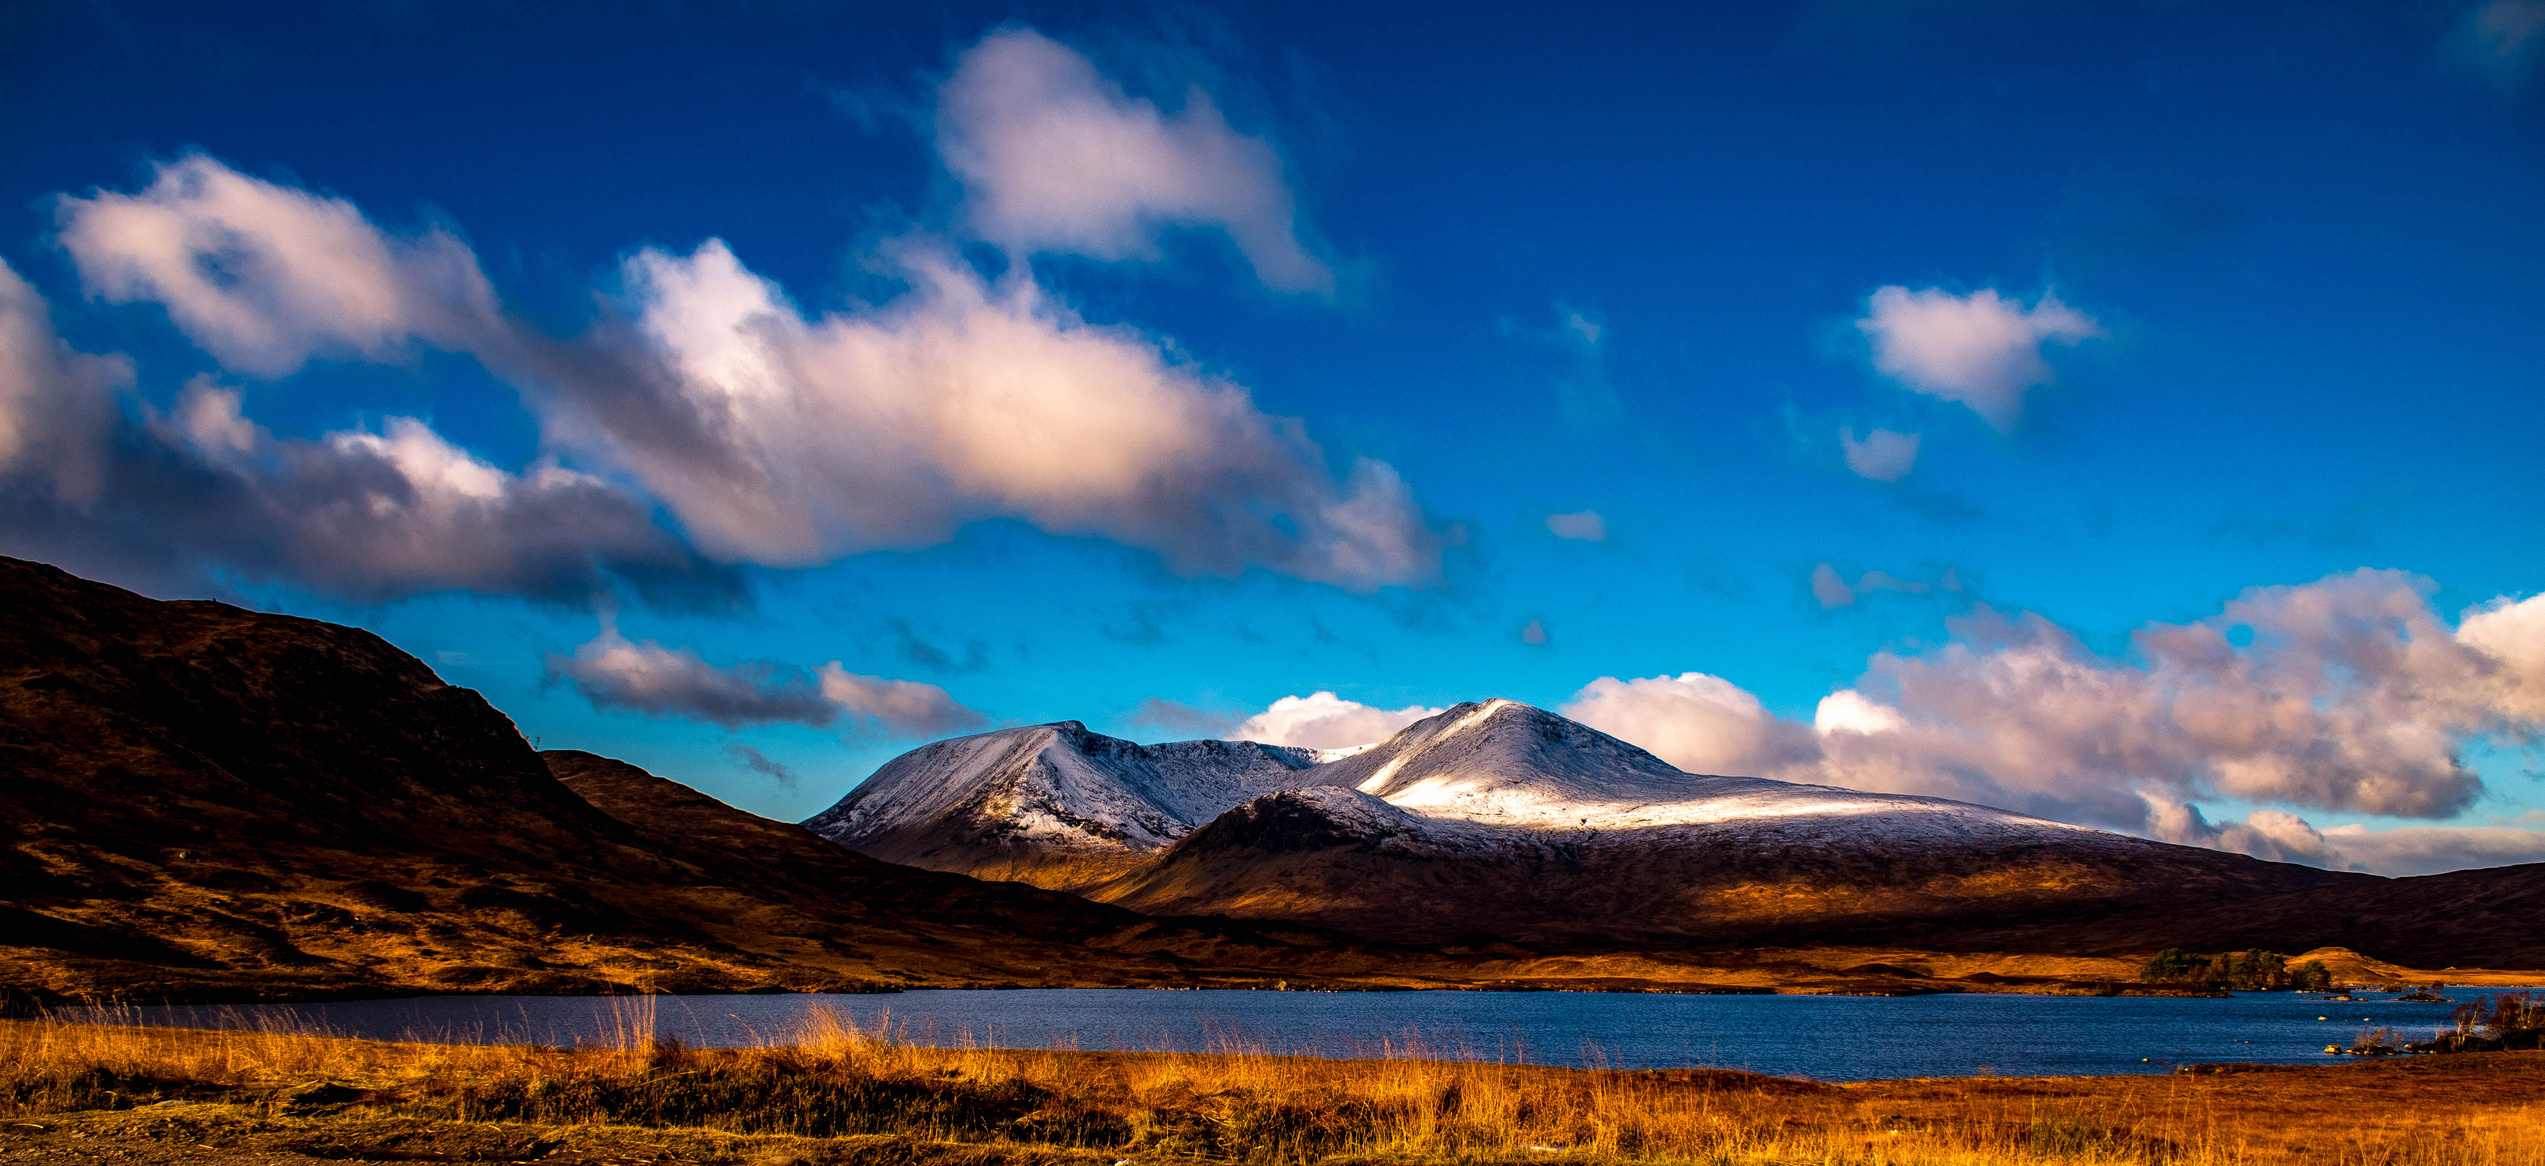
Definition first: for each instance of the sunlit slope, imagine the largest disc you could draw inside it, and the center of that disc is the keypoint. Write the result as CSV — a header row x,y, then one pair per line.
x,y
199,801
1496,821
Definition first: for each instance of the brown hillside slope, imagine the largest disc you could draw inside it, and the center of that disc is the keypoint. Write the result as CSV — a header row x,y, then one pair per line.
x,y
203,802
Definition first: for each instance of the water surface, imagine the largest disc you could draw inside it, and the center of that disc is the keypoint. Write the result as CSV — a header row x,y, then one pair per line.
x,y
1830,1038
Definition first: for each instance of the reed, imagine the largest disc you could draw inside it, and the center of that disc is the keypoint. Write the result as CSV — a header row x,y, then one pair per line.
x,y
1240,1102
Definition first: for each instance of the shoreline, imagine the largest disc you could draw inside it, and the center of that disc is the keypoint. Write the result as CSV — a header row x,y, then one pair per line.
x,y
835,1097
1809,971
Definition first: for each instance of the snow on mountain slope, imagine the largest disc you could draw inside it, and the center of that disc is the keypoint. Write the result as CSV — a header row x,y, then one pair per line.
x,y
1504,821
1052,804
1060,806
1503,763
1500,820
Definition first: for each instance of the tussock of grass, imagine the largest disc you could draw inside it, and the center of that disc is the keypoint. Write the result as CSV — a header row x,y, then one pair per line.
x,y
833,1078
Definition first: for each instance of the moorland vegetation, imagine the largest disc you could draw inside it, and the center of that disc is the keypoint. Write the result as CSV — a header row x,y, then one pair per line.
x,y
835,1091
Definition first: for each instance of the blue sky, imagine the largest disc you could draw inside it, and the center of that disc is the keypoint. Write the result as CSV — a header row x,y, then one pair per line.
x,y
2127,414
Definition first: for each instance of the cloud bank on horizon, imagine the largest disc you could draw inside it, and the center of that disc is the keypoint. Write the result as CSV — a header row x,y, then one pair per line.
x,y
2345,695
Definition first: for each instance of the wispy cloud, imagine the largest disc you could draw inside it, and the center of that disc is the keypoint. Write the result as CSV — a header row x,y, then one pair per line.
x,y
1830,588
2504,40
614,672
758,762
1585,525
1054,156
1980,349
1179,720
1883,455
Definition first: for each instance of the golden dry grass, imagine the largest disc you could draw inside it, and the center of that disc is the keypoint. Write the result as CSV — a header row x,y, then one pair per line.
x,y
835,1079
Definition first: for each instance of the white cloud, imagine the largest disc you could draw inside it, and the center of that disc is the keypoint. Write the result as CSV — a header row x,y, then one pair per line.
x,y
2351,695
1847,711
1979,349
1830,588
894,426
1585,525
1322,720
402,510
1700,723
902,706
778,439
1883,455
2512,633
2403,850
367,515
1054,156
265,277
613,671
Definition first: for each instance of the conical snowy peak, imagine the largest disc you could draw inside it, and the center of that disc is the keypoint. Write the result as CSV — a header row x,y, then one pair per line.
x,y
1051,804
1503,748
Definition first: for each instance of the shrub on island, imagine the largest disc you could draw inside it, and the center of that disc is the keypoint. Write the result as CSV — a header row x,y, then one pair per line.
x,y
2254,970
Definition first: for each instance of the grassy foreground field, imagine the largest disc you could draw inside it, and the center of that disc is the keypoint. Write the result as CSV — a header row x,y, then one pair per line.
x,y
831,1093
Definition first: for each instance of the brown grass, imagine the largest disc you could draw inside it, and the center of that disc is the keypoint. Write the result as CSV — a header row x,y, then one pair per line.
x,y
833,1079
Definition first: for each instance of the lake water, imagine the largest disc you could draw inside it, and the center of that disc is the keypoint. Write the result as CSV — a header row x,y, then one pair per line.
x,y
1829,1038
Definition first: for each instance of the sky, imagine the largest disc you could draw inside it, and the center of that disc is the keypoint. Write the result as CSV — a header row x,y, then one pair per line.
x,y
2127,414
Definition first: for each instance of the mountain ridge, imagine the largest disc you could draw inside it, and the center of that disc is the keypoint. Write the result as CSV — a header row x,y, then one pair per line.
x,y
202,802
1496,822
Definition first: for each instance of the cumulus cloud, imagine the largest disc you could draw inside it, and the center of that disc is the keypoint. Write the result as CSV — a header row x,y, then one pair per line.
x,y
966,400
1585,525
1883,455
1054,156
1981,350
2351,695
2405,850
1700,723
1322,720
776,438
369,515
264,276
1847,711
614,672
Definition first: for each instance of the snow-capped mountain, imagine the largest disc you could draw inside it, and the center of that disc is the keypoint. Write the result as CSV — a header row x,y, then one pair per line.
x,y
1493,818
1054,805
